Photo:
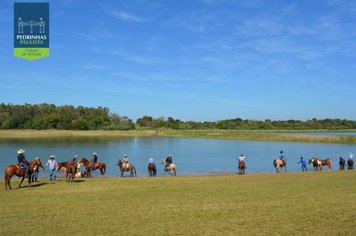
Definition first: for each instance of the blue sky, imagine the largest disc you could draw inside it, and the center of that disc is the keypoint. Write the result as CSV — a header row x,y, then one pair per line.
x,y
200,60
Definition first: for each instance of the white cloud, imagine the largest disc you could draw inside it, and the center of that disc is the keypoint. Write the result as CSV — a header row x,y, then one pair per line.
x,y
125,16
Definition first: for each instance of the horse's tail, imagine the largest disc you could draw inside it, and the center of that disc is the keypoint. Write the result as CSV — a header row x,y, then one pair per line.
x,y
274,163
7,179
134,170
104,168
175,171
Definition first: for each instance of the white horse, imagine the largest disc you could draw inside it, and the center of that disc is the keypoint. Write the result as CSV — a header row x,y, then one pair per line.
x,y
170,169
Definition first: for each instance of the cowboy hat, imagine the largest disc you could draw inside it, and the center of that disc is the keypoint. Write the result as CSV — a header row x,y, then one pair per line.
x,y
21,151
37,158
52,156
94,154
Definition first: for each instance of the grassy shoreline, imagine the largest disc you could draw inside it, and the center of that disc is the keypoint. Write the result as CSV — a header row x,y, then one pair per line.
x,y
253,204
261,135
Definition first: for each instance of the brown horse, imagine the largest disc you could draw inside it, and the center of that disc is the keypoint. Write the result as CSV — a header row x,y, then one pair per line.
x,y
152,170
62,168
170,168
127,167
279,164
342,163
241,166
326,162
12,170
99,165
71,170
350,164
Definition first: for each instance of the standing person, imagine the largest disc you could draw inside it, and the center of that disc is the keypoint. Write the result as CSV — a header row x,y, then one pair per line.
x,y
52,165
94,160
304,164
36,171
21,159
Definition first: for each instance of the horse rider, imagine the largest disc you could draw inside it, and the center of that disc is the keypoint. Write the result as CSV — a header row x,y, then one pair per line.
x,y
304,164
21,159
150,160
125,161
168,161
281,156
242,158
75,158
351,156
94,160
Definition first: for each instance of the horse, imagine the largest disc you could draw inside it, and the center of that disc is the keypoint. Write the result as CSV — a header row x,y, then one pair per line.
x,y
326,162
99,165
127,167
342,163
278,163
317,164
12,170
152,170
71,170
350,164
241,167
62,166
170,168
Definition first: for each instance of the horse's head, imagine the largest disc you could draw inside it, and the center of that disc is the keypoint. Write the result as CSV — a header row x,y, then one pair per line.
x,y
119,163
36,162
311,160
163,162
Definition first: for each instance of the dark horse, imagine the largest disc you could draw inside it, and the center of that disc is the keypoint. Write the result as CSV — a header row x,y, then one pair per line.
x,y
12,170
241,166
342,163
128,167
350,164
279,164
99,165
152,170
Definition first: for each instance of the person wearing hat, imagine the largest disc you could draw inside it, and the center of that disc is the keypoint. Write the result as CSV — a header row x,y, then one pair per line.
x,y
21,159
94,160
125,160
304,164
52,165
75,158
281,156
169,160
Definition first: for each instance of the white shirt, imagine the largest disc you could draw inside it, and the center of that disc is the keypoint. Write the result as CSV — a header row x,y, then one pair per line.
x,y
241,158
351,155
52,164
150,160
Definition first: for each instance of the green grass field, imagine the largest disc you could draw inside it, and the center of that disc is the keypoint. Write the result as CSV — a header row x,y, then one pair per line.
x,y
252,204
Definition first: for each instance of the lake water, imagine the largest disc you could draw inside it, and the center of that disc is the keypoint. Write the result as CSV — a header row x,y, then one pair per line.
x,y
193,156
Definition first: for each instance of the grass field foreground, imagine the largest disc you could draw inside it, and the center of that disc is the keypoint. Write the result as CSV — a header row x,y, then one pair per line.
x,y
255,204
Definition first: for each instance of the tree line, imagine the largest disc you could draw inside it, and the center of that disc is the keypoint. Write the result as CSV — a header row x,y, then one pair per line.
x,y
49,116
68,117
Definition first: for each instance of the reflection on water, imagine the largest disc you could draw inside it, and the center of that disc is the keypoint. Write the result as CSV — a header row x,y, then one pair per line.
x,y
193,156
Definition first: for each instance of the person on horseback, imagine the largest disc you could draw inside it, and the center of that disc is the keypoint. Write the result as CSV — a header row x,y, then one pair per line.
x,y
241,158
168,161
94,160
281,156
125,161
75,158
21,159
150,160
304,164
351,156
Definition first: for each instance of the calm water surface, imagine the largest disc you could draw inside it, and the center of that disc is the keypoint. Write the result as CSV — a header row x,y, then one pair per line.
x,y
193,156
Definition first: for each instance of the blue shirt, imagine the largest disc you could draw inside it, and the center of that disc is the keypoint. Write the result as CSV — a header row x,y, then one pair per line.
x,y
304,163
